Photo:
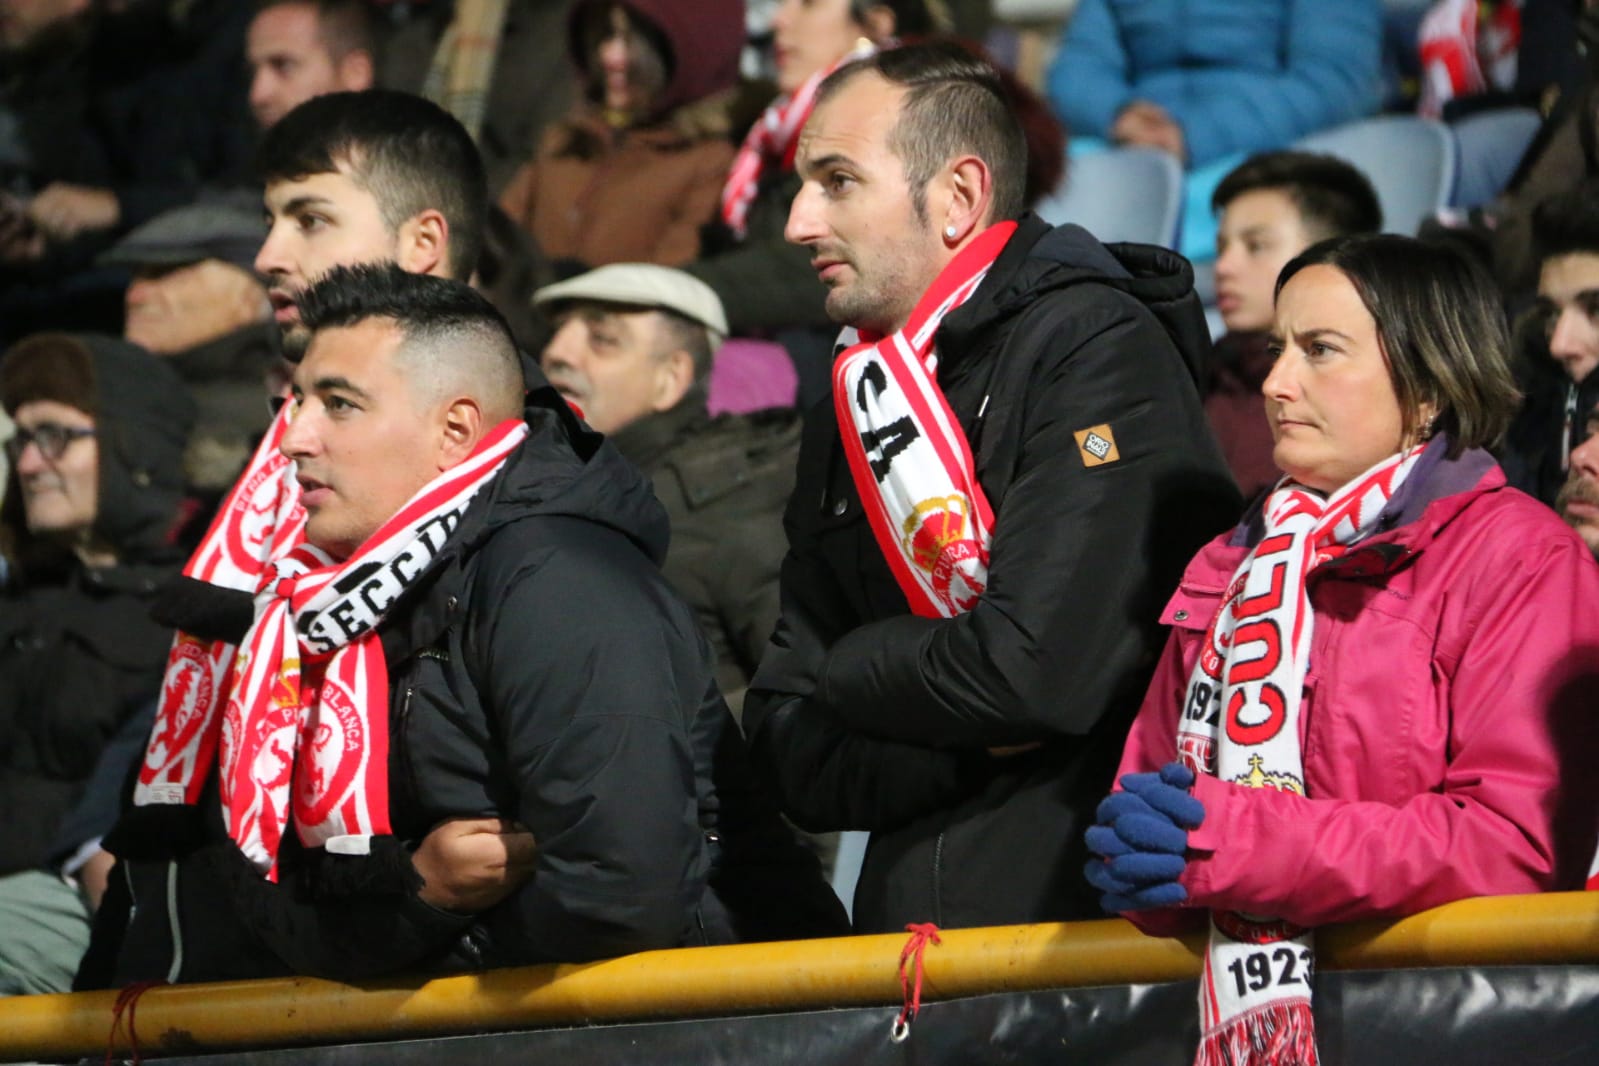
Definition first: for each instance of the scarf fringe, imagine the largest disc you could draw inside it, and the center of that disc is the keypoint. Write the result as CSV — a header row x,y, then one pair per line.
x,y
1278,1034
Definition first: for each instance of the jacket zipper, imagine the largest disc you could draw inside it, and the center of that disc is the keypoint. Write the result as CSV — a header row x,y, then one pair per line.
x,y
177,928
938,880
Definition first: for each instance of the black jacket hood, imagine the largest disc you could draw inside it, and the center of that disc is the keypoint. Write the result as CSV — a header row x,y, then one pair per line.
x,y
565,468
1041,258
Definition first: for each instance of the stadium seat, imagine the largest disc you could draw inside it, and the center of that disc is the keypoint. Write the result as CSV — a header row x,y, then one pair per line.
x,y
1410,161
1121,194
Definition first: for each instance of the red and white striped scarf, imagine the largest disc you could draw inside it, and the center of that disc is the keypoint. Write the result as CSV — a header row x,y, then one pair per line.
x,y
297,715
908,456
1240,722
772,142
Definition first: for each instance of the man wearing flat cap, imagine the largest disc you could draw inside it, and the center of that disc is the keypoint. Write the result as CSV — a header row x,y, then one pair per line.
x,y
632,349
196,302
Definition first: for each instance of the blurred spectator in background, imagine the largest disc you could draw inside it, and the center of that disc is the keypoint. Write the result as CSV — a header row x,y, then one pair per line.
x,y
96,489
1559,344
765,283
1211,80
1564,153
195,301
634,173
108,116
632,349
1274,206
298,49
1475,55
498,66
1578,502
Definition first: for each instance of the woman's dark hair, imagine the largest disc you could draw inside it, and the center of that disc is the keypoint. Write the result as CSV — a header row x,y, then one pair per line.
x,y
1441,328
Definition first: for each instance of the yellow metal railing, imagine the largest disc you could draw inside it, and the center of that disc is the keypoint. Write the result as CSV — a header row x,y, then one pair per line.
x,y
848,971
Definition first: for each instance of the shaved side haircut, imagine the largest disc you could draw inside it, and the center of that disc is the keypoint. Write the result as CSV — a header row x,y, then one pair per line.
x,y
454,341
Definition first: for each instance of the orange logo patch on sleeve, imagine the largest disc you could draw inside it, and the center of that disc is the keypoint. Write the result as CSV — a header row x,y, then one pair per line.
x,y
1097,445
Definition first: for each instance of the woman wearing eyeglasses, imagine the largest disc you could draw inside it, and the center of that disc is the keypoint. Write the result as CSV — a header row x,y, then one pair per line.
x,y
95,483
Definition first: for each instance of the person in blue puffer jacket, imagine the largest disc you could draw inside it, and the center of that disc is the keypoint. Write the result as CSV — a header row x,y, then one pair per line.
x,y
1213,80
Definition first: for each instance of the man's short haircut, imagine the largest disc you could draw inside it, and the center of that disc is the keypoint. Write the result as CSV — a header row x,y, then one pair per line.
x,y
409,153
455,341
343,26
1334,198
955,104
1567,222
1440,324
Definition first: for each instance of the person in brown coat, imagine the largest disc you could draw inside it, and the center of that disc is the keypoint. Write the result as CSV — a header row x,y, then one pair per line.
x,y
635,171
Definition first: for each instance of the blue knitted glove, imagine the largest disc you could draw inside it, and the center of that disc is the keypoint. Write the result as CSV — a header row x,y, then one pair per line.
x,y
1142,836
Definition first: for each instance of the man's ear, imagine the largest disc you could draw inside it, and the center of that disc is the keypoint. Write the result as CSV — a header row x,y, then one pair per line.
x,y
674,375
461,427
355,71
424,244
967,187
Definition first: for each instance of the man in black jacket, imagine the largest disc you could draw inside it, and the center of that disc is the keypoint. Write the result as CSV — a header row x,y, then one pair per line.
x,y
962,692
481,630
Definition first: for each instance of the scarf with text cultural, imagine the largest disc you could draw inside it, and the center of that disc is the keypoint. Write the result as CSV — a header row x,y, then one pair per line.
x,y
772,142
909,459
297,715
1240,722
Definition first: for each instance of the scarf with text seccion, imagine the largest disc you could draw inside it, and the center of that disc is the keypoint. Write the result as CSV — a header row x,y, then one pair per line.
x,y
297,715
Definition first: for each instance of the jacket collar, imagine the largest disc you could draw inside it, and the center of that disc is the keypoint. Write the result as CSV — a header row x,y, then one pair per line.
x,y
646,440
1437,490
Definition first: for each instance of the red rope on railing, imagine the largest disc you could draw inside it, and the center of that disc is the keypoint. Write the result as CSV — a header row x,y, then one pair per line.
x,y
127,1000
921,933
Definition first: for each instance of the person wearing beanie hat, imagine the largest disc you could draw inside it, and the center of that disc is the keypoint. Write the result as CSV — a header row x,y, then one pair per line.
x,y
636,170
96,493
632,350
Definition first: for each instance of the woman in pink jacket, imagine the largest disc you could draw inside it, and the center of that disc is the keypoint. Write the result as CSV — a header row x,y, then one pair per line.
x,y
1377,696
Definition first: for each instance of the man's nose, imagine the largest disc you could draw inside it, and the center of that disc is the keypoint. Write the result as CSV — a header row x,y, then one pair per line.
x,y
260,87
1585,457
299,436
804,216
1227,261
564,348
269,260
1572,330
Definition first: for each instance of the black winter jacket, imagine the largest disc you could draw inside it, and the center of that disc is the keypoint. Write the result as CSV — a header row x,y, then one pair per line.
x,y
541,670
871,718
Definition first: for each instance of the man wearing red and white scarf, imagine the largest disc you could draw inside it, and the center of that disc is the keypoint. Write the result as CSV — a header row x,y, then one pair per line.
x,y
467,621
988,511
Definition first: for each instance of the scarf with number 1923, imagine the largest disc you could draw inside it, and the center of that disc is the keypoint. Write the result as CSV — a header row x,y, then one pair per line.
x,y
1240,723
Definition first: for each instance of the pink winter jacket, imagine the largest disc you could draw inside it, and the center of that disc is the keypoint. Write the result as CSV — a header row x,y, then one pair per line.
x,y
1448,721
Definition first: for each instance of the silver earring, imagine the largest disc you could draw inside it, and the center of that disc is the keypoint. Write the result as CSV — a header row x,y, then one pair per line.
x,y
949,231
